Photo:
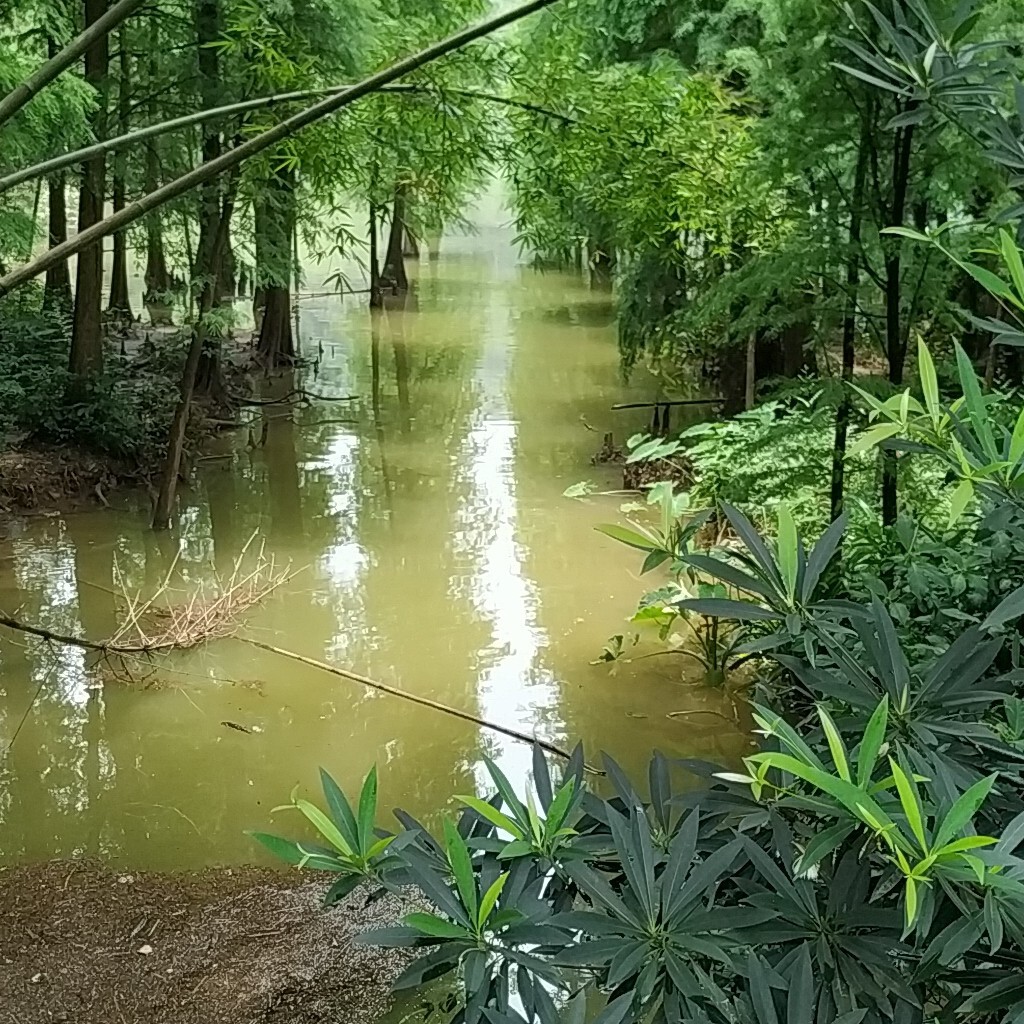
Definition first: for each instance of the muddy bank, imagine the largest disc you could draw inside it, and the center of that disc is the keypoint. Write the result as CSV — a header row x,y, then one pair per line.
x,y
81,943
36,477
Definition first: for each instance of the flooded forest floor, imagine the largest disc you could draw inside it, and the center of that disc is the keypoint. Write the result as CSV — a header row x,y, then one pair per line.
x,y
82,943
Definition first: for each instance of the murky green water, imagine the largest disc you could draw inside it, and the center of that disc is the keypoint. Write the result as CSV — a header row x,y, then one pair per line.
x,y
433,550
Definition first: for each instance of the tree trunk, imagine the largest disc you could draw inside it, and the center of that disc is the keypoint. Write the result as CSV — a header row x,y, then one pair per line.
x,y
376,298
86,357
276,346
57,290
794,348
849,327
394,261
602,264
411,245
895,344
434,246
277,343
119,304
157,278
163,506
227,273
751,375
209,256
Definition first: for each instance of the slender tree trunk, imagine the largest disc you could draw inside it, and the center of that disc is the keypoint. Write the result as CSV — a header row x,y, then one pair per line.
x,y
602,264
751,375
86,357
157,278
209,256
57,290
849,326
376,298
434,245
896,349
163,507
394,261
411,245
119,304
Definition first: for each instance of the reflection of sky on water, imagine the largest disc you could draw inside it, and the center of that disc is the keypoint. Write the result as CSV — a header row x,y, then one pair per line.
x,y
510,690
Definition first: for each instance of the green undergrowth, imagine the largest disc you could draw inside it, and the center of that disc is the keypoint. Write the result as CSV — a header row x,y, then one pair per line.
x,y
124,413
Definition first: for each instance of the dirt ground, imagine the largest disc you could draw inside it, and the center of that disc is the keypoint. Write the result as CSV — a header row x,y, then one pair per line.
x,y
42,477
85,944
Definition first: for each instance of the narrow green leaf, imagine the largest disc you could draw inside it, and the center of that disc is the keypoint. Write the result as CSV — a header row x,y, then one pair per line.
x,y
340,811
462,867
853,799
1011,257
437,927
341,888
560,806
1011,607
874,736
977,865
626,536
490,899
822,844
493,815
975,403
788,550
324,826
283,849
990,282
367,810
911,233
801,1004
961,499
872,437
910,802
820,556
835,744
964,844
379,847
964,810
929,381
1017,441
911,902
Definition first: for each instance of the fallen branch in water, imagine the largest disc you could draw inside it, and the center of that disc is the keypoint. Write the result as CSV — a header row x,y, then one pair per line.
x,y
299,394
153,626
150,627
373,684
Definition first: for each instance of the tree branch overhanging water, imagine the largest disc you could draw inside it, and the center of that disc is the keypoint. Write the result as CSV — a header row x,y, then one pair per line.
x,y
234,157
58,163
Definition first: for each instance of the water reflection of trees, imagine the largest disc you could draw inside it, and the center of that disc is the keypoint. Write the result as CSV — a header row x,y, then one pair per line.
x,y
393,527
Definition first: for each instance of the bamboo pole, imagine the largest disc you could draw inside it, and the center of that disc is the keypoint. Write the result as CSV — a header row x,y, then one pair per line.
x,y
373,684
233,157
55,66
137,135
136,649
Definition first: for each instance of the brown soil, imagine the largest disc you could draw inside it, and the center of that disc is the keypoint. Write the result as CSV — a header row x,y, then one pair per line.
x,y
82,943
44,476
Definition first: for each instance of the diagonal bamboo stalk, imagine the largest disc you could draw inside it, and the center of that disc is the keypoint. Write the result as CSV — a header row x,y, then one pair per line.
x,y
58,64
137,135
233,157
373,684
145,648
